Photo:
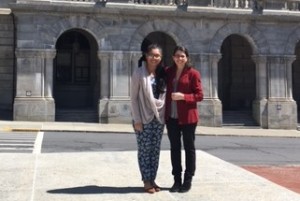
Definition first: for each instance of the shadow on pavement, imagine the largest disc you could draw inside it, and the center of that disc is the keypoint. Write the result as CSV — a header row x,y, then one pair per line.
x,y
98,190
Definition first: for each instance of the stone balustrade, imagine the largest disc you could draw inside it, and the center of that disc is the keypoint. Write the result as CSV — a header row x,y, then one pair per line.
x,y
292,5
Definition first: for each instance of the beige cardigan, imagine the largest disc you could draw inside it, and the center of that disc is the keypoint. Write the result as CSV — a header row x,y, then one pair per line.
x,y
143,104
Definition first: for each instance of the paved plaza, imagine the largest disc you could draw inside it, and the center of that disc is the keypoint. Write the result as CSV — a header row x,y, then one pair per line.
x,y
114,175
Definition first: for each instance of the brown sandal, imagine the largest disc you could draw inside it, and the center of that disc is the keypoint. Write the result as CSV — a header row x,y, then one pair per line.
x,y
150,190
156,187
148,187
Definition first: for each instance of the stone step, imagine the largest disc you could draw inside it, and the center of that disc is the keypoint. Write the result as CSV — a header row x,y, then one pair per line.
x,y
238,118
76,115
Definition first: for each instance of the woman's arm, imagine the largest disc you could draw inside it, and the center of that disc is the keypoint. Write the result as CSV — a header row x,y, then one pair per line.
x,y
196,88
135,86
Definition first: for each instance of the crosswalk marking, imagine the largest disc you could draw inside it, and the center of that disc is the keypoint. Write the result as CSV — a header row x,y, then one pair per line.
x,y
38,143
17,142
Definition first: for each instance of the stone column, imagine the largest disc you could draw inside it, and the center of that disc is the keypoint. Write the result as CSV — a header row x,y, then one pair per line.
x,y
259,105
33,101
134,60
214,60
214,99
210,109
282,111
49,55
289,65
104,58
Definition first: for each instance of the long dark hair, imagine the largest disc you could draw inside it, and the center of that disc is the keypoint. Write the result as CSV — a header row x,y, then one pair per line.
x,y
186,52
160,74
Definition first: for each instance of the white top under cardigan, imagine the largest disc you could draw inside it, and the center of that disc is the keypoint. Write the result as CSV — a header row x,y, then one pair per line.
x,y
143,104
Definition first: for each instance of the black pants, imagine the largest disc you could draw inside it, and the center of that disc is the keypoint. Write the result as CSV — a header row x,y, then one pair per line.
x,y
187,131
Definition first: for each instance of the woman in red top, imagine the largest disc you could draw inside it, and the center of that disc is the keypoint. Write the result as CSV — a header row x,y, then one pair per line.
x,y
184,90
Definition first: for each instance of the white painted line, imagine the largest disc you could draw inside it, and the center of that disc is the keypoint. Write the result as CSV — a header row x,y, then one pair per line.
x,y
20,144
16,148
34,177
37,150
17,141
38,143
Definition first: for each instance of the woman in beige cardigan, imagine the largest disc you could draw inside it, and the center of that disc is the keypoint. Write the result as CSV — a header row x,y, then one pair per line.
x,y
147,102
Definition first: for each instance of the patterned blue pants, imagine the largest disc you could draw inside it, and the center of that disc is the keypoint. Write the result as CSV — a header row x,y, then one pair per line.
x,y
148,142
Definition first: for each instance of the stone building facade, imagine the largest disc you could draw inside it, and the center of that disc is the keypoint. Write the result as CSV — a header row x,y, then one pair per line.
x,y
64,55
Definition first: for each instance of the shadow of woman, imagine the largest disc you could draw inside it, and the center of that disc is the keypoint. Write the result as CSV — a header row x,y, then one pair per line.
x,y
96,190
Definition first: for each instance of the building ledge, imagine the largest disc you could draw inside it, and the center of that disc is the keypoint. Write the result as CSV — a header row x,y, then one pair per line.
x,y
158,11
5,11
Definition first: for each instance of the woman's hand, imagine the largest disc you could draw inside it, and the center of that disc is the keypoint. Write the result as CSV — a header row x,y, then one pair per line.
x,y
177,96
138,127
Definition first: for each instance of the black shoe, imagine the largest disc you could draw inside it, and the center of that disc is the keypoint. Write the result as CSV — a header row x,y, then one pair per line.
x,y
186,186
176,187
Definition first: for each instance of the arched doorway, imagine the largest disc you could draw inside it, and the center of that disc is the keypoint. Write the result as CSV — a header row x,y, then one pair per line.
x,y
165,41
296,75
236,84
76,77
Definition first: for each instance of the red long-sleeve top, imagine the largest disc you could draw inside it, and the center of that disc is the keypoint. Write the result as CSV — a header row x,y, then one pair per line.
x,y
189,83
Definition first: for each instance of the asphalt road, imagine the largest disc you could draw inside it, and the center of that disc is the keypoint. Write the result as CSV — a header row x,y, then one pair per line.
x,y
237,150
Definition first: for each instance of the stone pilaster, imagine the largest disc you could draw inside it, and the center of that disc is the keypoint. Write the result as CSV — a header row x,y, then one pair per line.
x,y
119,104
282,109
120,72
116,71
34,85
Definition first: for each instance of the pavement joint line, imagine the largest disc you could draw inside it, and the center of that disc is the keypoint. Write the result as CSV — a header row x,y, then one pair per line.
x,y
7,129
25,130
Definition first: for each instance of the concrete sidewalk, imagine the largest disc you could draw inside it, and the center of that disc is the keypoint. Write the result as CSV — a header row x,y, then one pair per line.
x,y
111,176
127,128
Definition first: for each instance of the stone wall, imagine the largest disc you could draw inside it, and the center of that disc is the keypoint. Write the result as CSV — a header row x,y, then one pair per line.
x,y
120,32
5,3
